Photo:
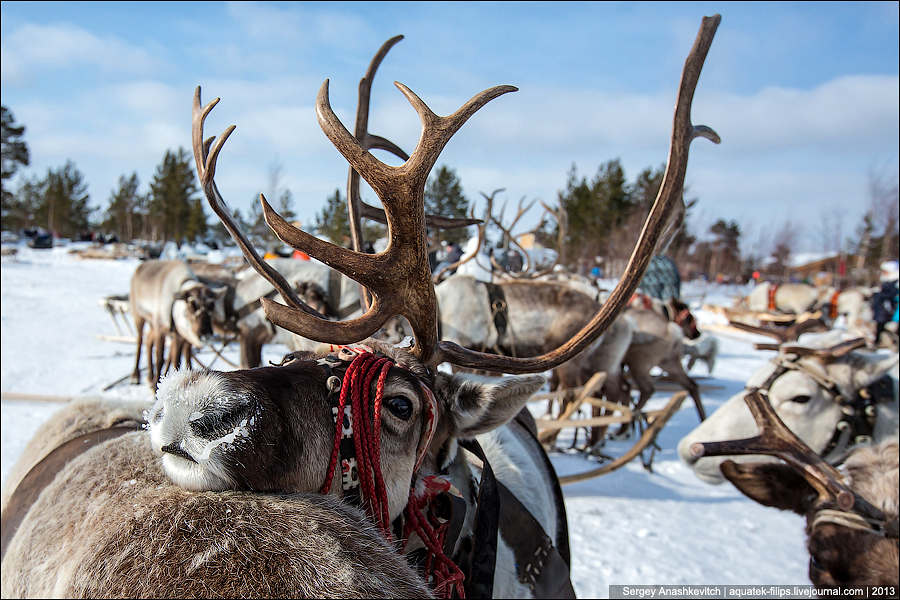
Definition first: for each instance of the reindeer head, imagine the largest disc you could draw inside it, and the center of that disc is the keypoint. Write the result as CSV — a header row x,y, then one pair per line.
x,y
272,428
196,309
809,388
684,318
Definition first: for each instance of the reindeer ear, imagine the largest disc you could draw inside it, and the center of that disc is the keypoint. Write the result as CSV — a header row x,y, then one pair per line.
x,y
476,407
869,368
770,484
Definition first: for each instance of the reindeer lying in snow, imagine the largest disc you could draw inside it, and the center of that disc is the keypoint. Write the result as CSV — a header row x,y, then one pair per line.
x,y
93,531
853,532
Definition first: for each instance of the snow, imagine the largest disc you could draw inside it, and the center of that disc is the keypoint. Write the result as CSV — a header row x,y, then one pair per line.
x,y
627,527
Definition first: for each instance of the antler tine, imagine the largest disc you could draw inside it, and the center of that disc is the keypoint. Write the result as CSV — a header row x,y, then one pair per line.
x,y
801,327
832,353
369,142
670,192
767,331
437,131
775,439
206,154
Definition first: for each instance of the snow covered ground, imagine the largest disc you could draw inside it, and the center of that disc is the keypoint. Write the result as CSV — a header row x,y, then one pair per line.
x,y
627,527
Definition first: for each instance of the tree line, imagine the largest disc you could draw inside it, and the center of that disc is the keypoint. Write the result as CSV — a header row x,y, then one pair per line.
x,y
604,214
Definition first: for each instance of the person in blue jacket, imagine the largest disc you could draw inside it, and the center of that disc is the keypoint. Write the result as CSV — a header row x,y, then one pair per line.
x,y
886,302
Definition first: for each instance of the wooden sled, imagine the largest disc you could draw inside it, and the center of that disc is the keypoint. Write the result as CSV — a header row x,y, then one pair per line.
x,y
649,423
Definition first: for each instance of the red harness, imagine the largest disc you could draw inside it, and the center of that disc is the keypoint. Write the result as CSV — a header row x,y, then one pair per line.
x,y
352,412
682,316
833,312
639,300
772,289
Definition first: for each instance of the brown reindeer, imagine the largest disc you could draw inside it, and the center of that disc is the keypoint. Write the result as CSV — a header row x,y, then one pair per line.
x,y
169,297
851,517
409,421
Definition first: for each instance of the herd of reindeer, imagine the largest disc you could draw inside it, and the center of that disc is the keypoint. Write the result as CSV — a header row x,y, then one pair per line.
x,y
357,468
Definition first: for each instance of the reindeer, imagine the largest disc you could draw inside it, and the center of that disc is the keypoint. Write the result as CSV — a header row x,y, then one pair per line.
x,y
791,298
832,396
409,455
659,331
170,298
313,282
851,517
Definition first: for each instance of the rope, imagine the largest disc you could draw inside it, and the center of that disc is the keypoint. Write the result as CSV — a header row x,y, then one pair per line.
x,y
366,437
420,515
446,576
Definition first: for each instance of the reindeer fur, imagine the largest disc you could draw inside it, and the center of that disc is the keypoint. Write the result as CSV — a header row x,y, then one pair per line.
x,y
72,420
112,525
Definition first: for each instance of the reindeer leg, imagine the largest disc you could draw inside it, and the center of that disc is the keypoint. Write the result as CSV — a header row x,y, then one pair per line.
x,y
676,372
136,374
644,382
160,354
152,341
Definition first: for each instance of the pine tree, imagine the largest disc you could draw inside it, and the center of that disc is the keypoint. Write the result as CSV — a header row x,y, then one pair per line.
x,y
594,209
63,207
122,213
332,221
22,211
444,197
13,153
173,206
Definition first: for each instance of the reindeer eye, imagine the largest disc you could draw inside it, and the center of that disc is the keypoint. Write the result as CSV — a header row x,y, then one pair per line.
x,y
399,406
800,399
815,563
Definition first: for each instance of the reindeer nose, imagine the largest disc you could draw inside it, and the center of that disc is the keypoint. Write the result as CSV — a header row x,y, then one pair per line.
x,y
177,450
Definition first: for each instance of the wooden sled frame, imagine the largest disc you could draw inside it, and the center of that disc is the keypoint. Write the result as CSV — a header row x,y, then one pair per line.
x,y
655,419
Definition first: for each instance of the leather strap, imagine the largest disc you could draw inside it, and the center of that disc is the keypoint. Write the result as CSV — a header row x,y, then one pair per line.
x,y
538,563
480,568
499,309
44,472
525,421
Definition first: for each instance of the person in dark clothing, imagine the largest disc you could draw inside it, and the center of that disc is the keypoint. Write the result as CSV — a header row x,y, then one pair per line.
x,y
885,303
453,253
661,279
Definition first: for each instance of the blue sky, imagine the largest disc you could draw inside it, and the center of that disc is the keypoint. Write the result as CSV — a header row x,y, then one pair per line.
x,y
804,95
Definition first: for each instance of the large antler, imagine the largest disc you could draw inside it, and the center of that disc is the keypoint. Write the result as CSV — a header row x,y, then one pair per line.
x,y
399,277
775,439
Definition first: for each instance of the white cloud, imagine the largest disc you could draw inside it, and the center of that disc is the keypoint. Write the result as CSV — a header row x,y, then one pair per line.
x,y
34,48
299,25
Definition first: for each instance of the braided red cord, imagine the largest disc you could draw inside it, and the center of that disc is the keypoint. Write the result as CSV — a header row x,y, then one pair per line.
x,y
355,386
447,576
